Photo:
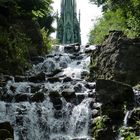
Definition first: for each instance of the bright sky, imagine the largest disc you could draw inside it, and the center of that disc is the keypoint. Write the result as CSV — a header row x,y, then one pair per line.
x,y
89,14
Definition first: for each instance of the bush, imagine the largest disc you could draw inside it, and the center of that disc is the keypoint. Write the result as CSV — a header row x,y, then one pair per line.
x,y
14,51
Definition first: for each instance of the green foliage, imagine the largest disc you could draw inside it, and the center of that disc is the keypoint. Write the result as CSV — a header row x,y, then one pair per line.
x,y
16,17
14,51
109,21
46,22
100,123
128,134
117,15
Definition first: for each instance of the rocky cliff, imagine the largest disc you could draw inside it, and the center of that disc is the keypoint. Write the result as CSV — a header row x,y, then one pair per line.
x,y
118,58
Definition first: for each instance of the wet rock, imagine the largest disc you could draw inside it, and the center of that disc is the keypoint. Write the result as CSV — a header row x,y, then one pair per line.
x,y
72,48
53,79
19,78
84,74
38,59
97,105
78,63
87,46
6,131
117,59
63,65
48,66
56,99
78,88
54,72
69,95
22,97
13,88
95,113
72,56
4,79
7,97
7,77
35,88
79,57
37,78
90,85
19,120
58,114
80,98
38,97
90,49
67,79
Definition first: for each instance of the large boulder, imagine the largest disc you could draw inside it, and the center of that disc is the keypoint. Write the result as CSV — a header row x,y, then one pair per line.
x,y
118,58
108,91
113,96
6,131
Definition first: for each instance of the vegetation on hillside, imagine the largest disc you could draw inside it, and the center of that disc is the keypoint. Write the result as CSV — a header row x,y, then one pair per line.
x,y
117,15
25,28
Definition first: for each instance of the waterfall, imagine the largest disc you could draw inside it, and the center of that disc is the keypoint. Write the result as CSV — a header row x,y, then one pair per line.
x,y
126,118
54,118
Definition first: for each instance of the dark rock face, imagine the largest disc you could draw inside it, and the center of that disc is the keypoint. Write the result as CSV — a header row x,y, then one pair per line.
x,y
113,95
108,91
6,131
118,58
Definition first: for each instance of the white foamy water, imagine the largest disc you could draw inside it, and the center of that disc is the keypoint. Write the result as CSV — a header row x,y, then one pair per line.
x,y
42,120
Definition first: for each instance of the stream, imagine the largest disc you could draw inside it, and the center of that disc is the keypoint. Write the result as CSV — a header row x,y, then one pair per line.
x,y
57,108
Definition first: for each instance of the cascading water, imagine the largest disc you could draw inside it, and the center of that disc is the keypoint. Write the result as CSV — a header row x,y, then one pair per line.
x,y
56,117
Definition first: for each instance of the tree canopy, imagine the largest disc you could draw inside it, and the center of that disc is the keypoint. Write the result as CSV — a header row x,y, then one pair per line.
x,y
25,26
117,15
